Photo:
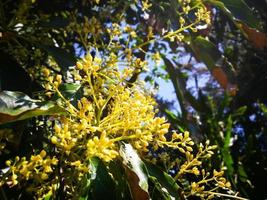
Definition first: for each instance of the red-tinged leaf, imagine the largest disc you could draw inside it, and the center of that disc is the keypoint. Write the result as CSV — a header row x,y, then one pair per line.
x,y
237,10
220,76
136,191
243,17
217,64
257,38
135,172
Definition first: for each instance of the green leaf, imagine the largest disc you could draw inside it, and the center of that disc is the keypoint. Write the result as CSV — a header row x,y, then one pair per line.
x,y
16,106
62,57
85,184
83,198
165,180
228,133
238,10
162,195
244,18
156,192
179,82
135,171
242,173
118,173
219,67
48,197
171,116
240,111
102,186
68,90
227,157
263,108
206,51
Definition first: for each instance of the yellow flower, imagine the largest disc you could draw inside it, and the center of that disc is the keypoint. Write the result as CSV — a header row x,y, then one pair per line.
x,y
36,158
14,179
8,162
44,176
46,72
195,171
43,153
146,5
54,139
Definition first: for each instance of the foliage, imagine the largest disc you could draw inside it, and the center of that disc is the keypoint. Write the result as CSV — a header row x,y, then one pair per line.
x,y
234,60
91,126
107,114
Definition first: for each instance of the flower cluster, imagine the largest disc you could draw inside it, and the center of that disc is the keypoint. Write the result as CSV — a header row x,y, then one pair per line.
x,y
209,183
109,111
190,8
37,168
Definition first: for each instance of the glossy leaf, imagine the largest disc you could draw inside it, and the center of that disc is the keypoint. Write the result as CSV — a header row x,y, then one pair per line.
x,y
102,185
16,106
165,180
135,172
156,190
118,173
171,116
68,90
258,39
239,12
219,67
242,173
63,58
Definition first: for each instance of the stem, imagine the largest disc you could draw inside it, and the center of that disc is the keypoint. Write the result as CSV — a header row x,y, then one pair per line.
x,y
111,126
166,36
84,42
105,76
189,164
227,195
103,107
205,180
92,88
124,138
114,115
64,99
